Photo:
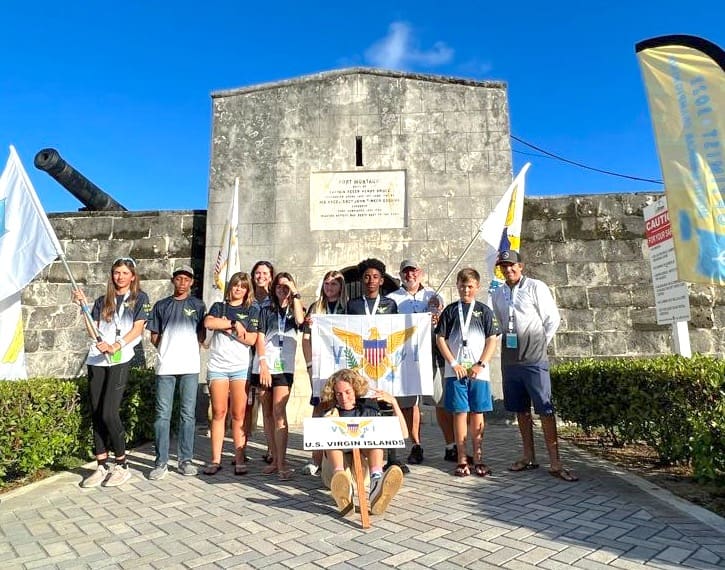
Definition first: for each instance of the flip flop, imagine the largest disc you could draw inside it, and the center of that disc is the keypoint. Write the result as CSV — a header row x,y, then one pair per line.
x,y
523,465
462,470
286,475
481,469
240,469
564,474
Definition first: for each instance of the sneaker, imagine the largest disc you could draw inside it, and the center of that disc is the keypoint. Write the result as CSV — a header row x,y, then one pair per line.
x,y
341,489
383,489
394,462
451,454
416,455
158,472
96,478
120,475
188,469
311,469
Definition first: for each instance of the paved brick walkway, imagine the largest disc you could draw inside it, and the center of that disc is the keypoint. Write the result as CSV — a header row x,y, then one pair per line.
x,y
510,520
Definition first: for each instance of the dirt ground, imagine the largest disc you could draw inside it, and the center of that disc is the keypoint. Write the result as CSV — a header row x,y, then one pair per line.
x,y
642,460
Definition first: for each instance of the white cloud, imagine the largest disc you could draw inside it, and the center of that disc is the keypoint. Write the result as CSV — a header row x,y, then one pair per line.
x,y
400,50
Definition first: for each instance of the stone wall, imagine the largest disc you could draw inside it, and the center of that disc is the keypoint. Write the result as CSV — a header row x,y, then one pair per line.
x,y
56,342
591,251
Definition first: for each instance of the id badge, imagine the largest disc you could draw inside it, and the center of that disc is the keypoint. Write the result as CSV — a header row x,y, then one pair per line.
x,y
116,357
512,341
274,357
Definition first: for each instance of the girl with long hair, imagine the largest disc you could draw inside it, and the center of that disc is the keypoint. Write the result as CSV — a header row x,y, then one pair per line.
x,y
276,347
332,301
234,323
120,316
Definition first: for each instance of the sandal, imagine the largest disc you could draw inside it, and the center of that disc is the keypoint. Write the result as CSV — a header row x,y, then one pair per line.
x,y
212,469
269,469
267,458
481,469
286,475
462,470
564,474
240,469
523,465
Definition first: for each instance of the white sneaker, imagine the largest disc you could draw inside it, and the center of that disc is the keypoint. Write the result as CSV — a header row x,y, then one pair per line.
x,y
383,489
119,476
96,478
311,469
341,489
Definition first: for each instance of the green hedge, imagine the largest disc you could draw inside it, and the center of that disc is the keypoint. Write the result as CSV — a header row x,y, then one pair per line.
x,y
46,420
675,404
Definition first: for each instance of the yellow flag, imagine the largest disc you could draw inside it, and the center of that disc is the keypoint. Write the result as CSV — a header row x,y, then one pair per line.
x,y
685,81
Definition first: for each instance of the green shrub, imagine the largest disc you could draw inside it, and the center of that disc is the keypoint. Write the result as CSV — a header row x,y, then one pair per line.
x,y
43,421
675,404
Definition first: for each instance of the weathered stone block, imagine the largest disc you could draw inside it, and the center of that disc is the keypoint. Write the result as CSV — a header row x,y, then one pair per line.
x,y
86,227
701,317
548,272
577,344
580,251
53,318
702,341
56,273
445,184
606,296
133,228
587,274
537,252
622,250
646,320
629,272
150,248
576,320
701,295
649,343
610,344
571,297
549,230
611,319
642,295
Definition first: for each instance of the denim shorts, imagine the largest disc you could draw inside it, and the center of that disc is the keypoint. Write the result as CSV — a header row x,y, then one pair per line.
x,y
524,384
231,376
468,395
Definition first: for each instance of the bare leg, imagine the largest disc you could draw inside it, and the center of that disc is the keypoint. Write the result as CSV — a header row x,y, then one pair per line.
x,y
219,391
265,400
460,430
238,408
548,425
475,427
280,397
445,422
526,428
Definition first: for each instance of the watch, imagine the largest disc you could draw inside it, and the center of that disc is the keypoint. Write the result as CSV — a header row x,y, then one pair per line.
x,y
481,363
296,296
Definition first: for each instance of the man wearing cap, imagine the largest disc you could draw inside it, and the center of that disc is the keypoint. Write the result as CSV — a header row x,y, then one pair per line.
x,y
414,297
528,317
177,330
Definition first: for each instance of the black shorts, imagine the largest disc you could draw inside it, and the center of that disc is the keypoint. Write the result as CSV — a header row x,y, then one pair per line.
x,y
284,379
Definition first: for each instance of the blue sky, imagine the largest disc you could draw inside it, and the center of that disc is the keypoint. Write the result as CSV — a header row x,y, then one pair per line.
x,y
122,90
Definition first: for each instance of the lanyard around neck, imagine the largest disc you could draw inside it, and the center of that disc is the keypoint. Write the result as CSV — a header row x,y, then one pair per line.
x,y
465,323
375,306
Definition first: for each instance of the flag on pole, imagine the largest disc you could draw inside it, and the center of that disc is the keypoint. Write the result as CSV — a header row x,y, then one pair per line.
x,y
502,229
227,260
27,244
685,81
27,240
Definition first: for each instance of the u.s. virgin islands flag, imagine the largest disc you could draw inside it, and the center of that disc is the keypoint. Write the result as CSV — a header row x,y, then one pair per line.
x,y
394,352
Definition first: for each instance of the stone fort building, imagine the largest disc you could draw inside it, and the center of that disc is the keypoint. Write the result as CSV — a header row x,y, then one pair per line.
x,y
435,152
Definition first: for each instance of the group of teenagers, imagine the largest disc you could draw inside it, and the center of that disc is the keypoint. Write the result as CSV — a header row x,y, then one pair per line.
x,y
252,337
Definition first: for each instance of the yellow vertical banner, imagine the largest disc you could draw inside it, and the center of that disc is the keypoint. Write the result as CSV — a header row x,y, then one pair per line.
x,y
684,78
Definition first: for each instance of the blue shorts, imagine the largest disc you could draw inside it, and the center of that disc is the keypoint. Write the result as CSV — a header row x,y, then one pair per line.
x,y
236,375
467,395
525,384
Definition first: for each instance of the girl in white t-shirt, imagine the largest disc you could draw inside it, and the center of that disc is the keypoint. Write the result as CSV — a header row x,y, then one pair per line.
x,y
234,323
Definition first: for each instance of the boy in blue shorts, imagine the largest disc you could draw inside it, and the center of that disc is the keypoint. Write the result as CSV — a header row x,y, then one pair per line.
x,y
466,338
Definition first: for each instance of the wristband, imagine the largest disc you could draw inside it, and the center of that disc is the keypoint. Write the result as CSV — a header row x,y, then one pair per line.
x,y
121,342
454,363
262,358
481,363
309,365
296,296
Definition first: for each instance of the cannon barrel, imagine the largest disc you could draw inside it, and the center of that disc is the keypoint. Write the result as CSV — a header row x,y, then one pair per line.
x,y
90,195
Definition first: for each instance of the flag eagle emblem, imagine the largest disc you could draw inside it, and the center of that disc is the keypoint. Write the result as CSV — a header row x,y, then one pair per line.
x,y
374,350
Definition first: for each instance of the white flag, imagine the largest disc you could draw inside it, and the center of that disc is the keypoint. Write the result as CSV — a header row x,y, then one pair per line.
x,y
227,260
502,229
27,241
12,341
393,352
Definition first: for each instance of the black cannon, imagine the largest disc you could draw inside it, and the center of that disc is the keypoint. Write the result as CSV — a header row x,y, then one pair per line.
x,y
92,197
